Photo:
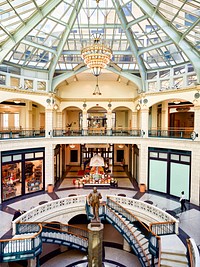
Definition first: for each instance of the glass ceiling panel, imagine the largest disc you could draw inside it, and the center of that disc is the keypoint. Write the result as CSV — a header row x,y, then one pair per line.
x,y
14,14
155,47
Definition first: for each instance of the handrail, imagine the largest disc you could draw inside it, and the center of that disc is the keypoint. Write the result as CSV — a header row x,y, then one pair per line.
x,y
123,210
159,215
24,237
132,233
150,232
15,248
194,257
48,208
71,229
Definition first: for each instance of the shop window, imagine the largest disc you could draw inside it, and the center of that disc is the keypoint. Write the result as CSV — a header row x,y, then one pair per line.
x,y
21,172
33,175
11,180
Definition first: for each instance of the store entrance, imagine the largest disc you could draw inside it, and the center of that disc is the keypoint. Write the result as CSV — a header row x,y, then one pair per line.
x,y
106,151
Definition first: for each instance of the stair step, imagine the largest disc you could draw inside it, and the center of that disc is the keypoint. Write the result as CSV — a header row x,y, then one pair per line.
x,y
167,263
174,257
140,237
174,252
143,241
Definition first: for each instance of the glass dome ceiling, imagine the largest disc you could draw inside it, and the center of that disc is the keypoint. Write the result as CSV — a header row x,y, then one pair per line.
x,y
143,34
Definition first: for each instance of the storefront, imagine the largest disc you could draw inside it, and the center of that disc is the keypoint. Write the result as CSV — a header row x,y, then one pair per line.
x,y
169,171
22,172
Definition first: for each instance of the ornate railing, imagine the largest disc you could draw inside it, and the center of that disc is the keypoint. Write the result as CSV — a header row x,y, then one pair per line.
x,y
67,235
145,212
163,228
51,209
26,245
193,252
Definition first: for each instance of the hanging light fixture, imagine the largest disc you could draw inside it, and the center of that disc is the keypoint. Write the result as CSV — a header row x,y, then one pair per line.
x,y
96,56
96,89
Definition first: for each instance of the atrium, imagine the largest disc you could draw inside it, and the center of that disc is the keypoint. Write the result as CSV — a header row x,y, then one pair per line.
x,y
115,78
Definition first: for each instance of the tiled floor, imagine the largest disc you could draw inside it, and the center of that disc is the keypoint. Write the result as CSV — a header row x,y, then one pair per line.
x,y
189,220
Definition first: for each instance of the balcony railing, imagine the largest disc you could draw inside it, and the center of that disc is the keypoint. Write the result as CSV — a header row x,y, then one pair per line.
x,y
175,133
98,132
183,133
18,133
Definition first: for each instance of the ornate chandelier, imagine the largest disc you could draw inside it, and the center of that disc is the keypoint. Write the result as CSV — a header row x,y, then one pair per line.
x,y
96,56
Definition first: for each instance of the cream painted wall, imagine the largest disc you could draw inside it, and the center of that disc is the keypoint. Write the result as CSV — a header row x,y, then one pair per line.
x,y
84,90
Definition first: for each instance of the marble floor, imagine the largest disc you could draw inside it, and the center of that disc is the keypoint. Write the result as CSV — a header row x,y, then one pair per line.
x,y
189,220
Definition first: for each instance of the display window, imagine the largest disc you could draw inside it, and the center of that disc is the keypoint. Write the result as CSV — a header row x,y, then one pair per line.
x,y
11,180
33,176
22,173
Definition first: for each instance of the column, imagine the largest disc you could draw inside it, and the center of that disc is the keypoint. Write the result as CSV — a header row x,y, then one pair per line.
x,y
197,121
154,117
85,125
29,115
195,172
134,122
143,164
164,118
144,118
49,122
95,244
58,120
109,121
49,164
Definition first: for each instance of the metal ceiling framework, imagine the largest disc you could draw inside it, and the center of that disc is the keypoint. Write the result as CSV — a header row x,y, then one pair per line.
x,y
144,35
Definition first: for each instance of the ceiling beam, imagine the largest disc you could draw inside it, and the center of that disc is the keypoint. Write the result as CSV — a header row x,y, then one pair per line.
x,y
132,43
63,40
39,46
60,78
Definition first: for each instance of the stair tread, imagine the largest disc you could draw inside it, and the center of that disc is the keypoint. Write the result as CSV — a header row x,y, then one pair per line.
x,y
174,257
166,263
